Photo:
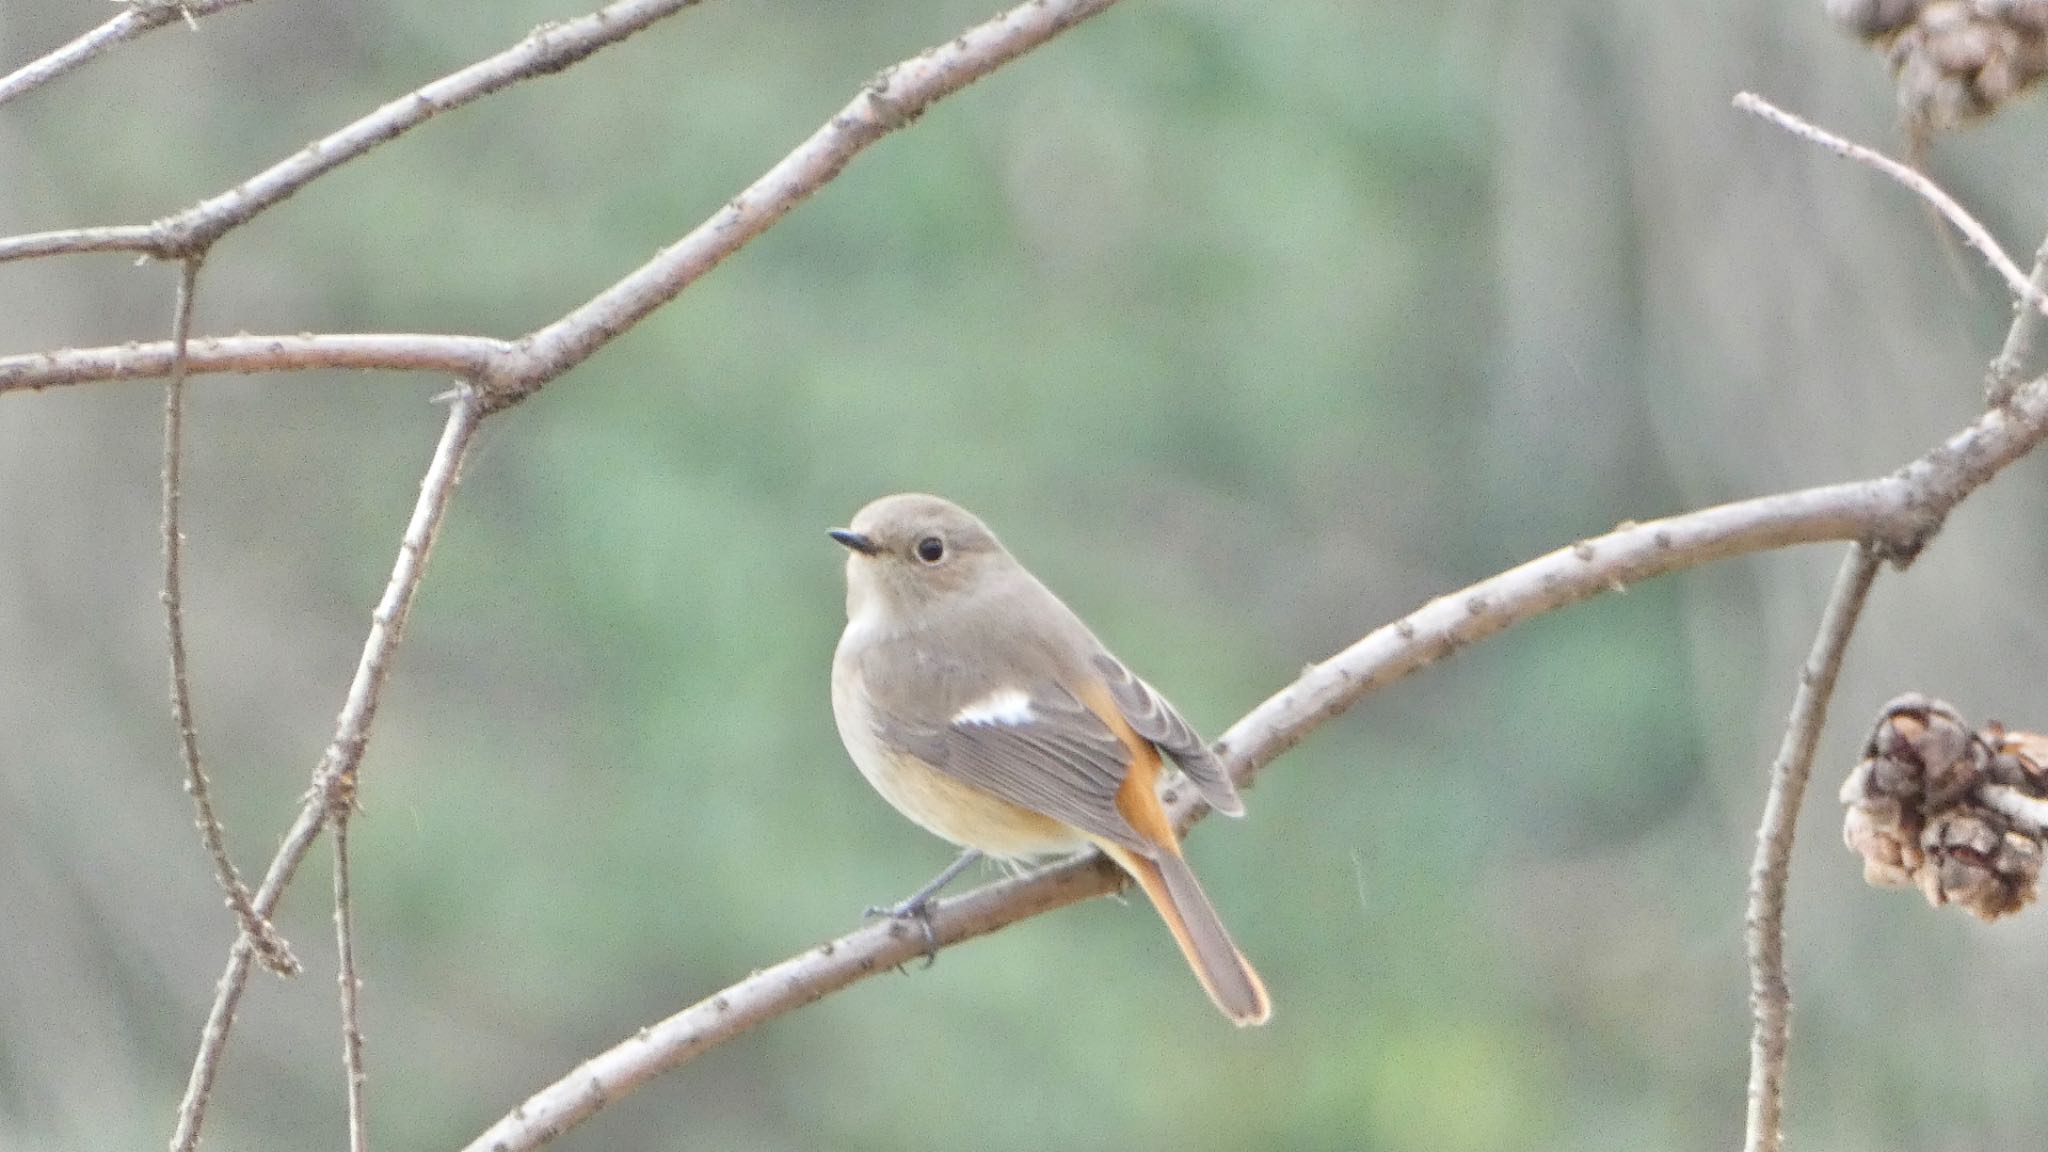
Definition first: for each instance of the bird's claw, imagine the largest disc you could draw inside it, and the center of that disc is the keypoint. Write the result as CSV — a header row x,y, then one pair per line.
x,y
914,911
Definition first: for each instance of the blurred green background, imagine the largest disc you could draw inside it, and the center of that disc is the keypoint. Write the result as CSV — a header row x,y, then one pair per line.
x,y
1250,327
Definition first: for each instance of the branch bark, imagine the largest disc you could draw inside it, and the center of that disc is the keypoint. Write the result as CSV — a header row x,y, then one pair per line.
x,y
462,356
546,50
140,17
354,1077
1769,997
270,947
1895,515
1974,233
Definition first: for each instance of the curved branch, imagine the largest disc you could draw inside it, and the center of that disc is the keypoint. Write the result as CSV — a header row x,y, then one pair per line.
x,y
1975,234
138,19
1897,513
1769,999
393,352
546,50
275,953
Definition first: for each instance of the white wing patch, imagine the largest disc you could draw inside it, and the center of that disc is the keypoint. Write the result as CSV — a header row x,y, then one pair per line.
x,y
1007,706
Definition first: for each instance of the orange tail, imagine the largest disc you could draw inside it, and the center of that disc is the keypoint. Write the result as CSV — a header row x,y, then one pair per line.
x,y
1224,972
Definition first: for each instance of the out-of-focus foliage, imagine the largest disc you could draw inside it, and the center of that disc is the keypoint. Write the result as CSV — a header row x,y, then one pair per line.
x,y
1249,326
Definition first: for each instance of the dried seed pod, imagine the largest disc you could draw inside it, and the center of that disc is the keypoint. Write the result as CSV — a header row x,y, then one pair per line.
x,y
1932,806
1952,61
1975,859
1919,746
1872,19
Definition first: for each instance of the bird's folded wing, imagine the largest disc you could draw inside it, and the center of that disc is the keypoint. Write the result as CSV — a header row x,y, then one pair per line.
x,y
1150,716
1037,747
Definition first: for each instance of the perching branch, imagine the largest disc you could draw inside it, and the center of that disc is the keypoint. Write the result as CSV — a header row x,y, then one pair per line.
x,y
141,16
1897,514
1770,1000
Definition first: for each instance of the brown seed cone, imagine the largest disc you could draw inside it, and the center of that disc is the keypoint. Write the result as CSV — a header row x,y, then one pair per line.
x,y
1954,61
1923,812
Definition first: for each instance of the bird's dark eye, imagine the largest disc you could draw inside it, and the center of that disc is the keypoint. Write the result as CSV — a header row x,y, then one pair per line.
x,y
931,549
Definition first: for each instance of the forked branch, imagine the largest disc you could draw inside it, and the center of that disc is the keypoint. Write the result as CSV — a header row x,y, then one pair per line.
x,y
1770,999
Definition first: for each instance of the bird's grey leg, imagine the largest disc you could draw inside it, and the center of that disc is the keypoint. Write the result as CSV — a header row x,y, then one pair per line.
x,y
918,905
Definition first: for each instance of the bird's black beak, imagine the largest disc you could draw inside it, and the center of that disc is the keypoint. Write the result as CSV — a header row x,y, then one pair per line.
x,y
855,541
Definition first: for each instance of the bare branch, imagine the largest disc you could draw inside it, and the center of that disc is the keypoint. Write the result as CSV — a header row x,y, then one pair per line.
x,y
345,752
547,49
345,975
140,17
464,356
774,992
1769,998
213,1038
1973,233
1898,512
2005,372
270,947
893,99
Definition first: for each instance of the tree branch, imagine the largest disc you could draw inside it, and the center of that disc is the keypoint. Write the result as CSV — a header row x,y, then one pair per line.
x,y
275,953
345,976
895,98
1973,233
463,356
345,752
547,49
1897,513
1770,999
140,17
2005,372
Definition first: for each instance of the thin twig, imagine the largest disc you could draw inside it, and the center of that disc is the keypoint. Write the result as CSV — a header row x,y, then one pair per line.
x,y
546,50
1769,998
463,356
138,19
351,988
1900,510
1973,233
2005,372
213,1038
270,947
345,752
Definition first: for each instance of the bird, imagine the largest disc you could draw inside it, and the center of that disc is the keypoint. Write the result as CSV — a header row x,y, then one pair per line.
x,y
980,706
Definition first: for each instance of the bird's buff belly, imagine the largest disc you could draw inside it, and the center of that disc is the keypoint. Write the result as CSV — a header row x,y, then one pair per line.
x,y
947,808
